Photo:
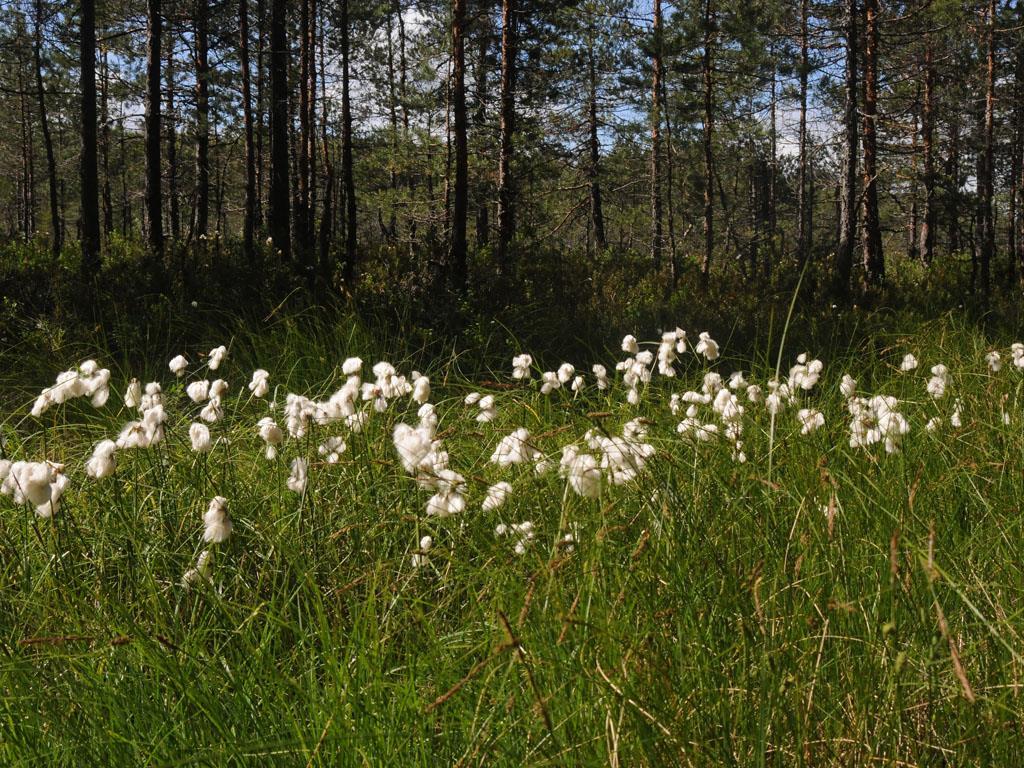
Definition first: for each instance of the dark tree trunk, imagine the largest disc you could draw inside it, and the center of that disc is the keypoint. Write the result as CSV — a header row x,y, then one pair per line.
x,y
460,205
327,216
278,202
953,181
656,233
673,263
28,195
89,182
1017,219
171,122
506,195
874,259
848,186
108,203
249,221
392,229
926,241
301,227
707,65
154,196
202,212
483,223
986,230
803,245
347,174
260,112
594,167
56,226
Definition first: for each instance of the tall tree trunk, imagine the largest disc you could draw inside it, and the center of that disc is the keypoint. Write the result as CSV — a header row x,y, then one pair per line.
x,y
802,239
154,196
249,221
596,211
171,122
953,180
260,111
56,226
392,228
848,187
460,206
89,182
202,212
301,212
347,175
28,199
108,203
874,259
771,214
1017,221
707,65
986,233
278,200
327,216
483,223
926,241
311,138
673,263
506,204
656,233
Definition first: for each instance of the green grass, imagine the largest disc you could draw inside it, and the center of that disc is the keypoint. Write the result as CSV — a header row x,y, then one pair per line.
x,y
708,615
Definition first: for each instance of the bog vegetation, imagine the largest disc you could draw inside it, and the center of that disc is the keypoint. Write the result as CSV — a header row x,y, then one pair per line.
x,y
318,445
288,549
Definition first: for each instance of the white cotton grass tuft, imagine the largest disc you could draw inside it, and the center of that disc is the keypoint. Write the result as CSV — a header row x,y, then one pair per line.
x,y
994,361
810,420
102,463
216,357
87,380
352,366
200,572
521,365
260,384
216,521
298,480
515,449
488,412
198,391
271,435
496,496
421,389
133,394
178,365
331,449
420,558
909,363
449,499
936,386
39,484
522,535
199,434
706,346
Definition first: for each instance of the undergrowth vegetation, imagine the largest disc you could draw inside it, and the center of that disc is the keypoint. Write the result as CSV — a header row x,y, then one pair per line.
x,y
286,551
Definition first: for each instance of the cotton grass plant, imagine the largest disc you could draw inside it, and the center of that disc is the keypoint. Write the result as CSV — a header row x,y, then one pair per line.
x,y
275,552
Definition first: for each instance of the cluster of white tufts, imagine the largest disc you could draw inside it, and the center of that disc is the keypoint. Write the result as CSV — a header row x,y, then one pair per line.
x,y
488,412
87,380
516,449
876,419
521,367
522,534
39,484
719,413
